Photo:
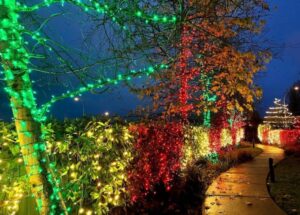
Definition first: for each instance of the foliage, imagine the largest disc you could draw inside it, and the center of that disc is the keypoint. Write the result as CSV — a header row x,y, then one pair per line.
x,y
240,135
214,63
213,157
201,142
215,139
235,157
78,156
103,164
226,137
262,129
27,46
274,137
196,145
13,181
92,162
281,137
158,150
290,137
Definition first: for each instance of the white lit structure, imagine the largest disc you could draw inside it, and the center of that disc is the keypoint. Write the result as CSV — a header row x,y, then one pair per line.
x,y
279,116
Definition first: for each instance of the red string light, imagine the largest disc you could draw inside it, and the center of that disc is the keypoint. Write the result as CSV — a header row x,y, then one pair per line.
x,y
158,150
289,137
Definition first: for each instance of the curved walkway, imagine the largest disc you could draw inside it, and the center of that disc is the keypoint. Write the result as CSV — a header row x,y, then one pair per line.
x,y
242,189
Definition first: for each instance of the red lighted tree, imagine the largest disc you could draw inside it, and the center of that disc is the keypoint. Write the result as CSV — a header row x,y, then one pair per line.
x,y
218,47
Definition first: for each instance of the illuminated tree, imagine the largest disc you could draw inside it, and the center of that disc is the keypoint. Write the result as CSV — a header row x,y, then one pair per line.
x,y
18,52
198,48
214,58
226,58
279,116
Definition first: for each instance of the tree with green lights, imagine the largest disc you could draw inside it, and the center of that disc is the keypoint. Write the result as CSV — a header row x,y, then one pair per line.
x,y
17,58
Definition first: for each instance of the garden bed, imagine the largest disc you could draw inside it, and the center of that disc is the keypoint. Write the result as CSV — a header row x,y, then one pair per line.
x,y
112,167
187,195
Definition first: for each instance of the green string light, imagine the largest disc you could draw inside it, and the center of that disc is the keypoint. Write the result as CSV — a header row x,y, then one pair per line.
x,y
213,157
15,59
207,97
104,8
145,71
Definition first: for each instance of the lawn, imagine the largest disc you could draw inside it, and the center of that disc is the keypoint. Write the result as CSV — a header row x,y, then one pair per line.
x,y
286,189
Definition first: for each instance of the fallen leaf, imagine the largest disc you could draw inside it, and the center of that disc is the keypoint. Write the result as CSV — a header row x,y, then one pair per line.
x,y
249,203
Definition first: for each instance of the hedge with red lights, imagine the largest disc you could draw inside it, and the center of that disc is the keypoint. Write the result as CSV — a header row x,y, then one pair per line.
x,y
111,162
282,137
265,136
290,137
158,150
215,139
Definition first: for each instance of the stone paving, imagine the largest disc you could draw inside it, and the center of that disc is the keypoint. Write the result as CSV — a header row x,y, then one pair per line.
x,y
242,190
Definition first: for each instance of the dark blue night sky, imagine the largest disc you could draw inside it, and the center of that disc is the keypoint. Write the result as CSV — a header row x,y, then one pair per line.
x,y
282,29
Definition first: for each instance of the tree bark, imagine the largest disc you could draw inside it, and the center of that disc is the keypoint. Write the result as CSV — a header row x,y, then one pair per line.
x,y
17,85
28,134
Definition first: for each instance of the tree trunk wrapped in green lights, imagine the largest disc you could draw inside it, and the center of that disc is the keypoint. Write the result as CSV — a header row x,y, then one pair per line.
x,y
14,60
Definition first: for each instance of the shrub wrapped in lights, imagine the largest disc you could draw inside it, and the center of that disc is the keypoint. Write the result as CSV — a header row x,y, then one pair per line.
x,y
237,130
282,137
215,139
216,136
263,132
158,149
274,136
92,163
196,144
290,137
13,181
240,135
93,159
226,137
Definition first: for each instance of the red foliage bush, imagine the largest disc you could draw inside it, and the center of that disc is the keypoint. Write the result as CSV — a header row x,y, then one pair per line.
x,y
265,137
233,135
290,137
158,150
215,139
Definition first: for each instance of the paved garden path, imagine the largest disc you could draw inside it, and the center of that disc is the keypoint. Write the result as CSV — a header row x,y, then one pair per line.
x,y
242,190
